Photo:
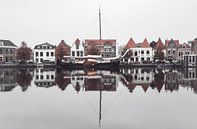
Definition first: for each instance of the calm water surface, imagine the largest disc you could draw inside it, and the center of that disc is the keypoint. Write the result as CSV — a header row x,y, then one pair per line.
x,y
128,99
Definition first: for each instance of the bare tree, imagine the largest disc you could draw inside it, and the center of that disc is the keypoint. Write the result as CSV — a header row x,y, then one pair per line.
x,y
23,53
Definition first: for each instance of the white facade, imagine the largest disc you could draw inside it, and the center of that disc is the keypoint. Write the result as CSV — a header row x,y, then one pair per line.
x,y
139,55
44,52
77,51
44,78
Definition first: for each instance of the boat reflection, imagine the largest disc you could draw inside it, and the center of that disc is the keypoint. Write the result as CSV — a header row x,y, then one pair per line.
x,y
146,78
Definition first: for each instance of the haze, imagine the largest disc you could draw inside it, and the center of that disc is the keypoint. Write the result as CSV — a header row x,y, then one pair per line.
x,y
39,21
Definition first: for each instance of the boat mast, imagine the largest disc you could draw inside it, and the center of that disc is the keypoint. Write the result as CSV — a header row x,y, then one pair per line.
x,y
100,41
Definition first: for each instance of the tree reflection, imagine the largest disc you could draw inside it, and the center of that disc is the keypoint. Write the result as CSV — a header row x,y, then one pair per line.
x,y
62,79
24,78
158,81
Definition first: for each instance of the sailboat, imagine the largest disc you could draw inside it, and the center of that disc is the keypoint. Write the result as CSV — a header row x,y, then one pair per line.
x,y
96,61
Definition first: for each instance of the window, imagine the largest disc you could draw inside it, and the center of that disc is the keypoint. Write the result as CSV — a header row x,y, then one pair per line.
x,y
52,54
173,51
41,76
36,59
36,53
41,53
142,52
148,58
81,53
135,53
142,58
44,47
136,58
77,46
77,53
147,52
52,77
41,60
183,46
47,76
37,77
168,51
47,53
73,53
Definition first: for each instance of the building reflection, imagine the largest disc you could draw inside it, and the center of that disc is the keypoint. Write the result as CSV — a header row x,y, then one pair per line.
x,y
7,79
44,77
80,80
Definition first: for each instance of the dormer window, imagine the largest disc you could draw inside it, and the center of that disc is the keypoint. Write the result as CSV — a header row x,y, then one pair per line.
x,y
183,46
77,46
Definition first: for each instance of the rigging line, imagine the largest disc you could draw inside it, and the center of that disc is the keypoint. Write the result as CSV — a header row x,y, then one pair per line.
x,y
112,102
90,103
110,28
91,27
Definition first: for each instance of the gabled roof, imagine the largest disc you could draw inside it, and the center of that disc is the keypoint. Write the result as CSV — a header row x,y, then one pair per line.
x,y
44,44
7,43
184,44
130,44
62,43
159,45
145,44
175,42
77,42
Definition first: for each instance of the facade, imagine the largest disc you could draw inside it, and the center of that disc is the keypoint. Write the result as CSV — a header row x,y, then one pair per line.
x,y
171,49
44,78
44,52
133,78
183,49
77,51
190,60
61,50
7,51
137,52
7,80
105,47
194,46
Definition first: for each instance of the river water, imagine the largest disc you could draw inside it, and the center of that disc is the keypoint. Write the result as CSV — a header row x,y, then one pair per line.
x,y
127,99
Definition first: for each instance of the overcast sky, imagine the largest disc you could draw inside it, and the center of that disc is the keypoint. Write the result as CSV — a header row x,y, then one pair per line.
x,y
39,21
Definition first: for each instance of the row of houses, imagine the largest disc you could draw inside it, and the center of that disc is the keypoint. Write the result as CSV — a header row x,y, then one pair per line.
x,y
145,51
107,48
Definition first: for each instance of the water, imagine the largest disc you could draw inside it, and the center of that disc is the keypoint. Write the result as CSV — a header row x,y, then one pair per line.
x,y
129,99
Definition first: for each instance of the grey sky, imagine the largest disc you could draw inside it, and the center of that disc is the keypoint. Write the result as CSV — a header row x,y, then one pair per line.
x,y
38,21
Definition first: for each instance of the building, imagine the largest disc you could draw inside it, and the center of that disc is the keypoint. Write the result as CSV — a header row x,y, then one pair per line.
x,y
194,46
7,80
183,49
190,60
7,51
62,50
133,78
44,78
44,52
104,47
77,51
137,52
171,49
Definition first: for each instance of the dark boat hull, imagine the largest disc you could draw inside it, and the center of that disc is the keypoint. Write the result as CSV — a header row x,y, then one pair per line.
x,y
97,66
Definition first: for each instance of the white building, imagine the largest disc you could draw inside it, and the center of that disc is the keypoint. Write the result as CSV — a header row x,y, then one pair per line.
x,y
77,51
44,52
44,77
137,52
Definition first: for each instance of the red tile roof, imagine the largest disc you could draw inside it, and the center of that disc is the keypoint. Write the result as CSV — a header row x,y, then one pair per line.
x,y
111,42
160,45
145,44
130,44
